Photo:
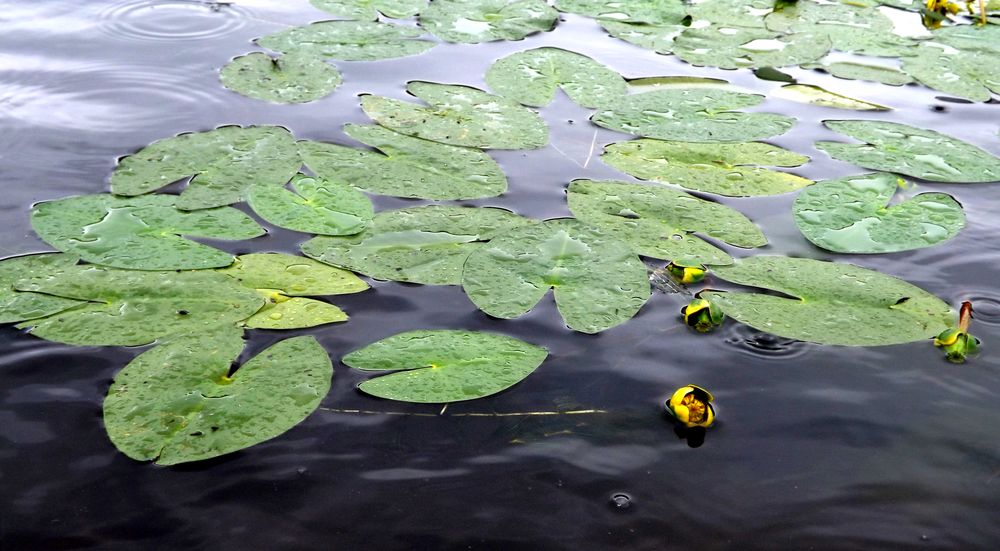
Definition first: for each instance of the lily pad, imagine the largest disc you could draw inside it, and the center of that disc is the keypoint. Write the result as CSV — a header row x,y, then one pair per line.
x,y
460,115
852,215
139,233
293,275
731,13
735,169
349,40
287,79
17,306
598,281
224,162
926,154
531,77
735,48
313,205
178,403
969,74
659,222
864,71
851,28
807,93
829,303
283,312
368,10
634,11
659,38
474,21
406,166
445,366
427,245
130,308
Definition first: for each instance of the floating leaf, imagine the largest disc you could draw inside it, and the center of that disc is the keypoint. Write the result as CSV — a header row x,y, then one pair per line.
x,y
851,215
368,10
349,40
659,222
634,11
735,48
281,312
598,281
731,13
726,169
807,93
864,71
129,308
474,21
830,303
969,74
445,366
646,84
406,167
140,233
851,28
532,76
659,38
692,115
178,403
460,115
224,162
427,245
313,205
16,306
926,154
288,79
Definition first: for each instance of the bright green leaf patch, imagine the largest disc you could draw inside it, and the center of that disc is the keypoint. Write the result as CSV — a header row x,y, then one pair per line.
x,y
445,366
598,281
17,306
177,403
460,115
531,77
829,303
851,215
293,275
349,40
313,205
140,233
474,21
735,170
281,312
633,11
368,10
287,79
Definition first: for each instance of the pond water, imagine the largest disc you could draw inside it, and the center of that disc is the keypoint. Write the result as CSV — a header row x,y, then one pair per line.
x,y
816,446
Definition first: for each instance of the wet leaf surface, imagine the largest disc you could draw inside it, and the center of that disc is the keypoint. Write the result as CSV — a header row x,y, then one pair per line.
x,y
633,11
287,79
807,93
850,27
17,306
368,10
734,48
349,40
293,275
864,71
313,205
532,77
474,21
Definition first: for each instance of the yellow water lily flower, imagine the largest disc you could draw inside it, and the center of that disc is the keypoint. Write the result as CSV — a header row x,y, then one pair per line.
x,y
685,272
692,405
702,315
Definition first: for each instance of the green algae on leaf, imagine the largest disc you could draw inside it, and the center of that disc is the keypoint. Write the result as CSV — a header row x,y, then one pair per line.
x,y
598,282
313,205
925,154
139,233
531,77
17,306
406,166
735,48
225,162
445,365
368,10
474,21
732,169
177,402
863,71
633,11
427,245
349,40
287,79
460,115
852,215
659,222
851,28
829,303
293,275
808,93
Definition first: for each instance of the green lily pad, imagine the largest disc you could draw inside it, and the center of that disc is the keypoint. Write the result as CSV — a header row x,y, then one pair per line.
x,y
969,74
177,403
293,275
427,245
460,115
634,11
807,93
864,71
851,28
969,38
406,166
531,77
659,223
139,233
659,38
349,40
445,366
829,303
926,154
224,162
852,215
732,13
130,308
313,205
281,312
735,48
692,115
735,169
368,10
287,79
474,21
598,281
17,306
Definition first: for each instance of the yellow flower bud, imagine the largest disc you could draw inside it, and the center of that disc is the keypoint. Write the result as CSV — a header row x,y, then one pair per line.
x,y
692,405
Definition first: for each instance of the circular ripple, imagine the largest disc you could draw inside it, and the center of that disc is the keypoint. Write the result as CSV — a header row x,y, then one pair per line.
x,y
172,19
763,345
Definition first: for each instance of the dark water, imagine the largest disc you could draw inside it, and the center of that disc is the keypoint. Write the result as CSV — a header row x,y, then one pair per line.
x,y
821,447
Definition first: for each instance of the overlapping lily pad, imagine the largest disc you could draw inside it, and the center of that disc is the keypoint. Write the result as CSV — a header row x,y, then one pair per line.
x,y
445,366
287,79
634,11
742,47
531,77
368,10
829,303
474,21
460,115
598,281
16,306
852,215
224,162
850,27
313,205
926,154
808,93
735,170
349,40
140,233
406,166
731,13
178,402
969,74
426,245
